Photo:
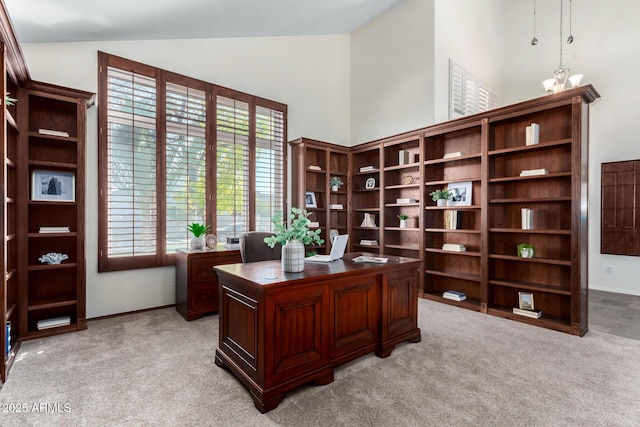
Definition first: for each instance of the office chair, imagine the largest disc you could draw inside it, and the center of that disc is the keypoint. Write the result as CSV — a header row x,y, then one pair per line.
x,y
253,248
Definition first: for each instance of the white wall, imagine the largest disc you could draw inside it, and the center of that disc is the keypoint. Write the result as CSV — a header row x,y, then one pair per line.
x,y
606,50
469,32
310,74
392,72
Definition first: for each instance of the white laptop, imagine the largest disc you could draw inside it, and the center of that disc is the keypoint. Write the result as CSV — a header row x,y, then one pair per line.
x,y
337,250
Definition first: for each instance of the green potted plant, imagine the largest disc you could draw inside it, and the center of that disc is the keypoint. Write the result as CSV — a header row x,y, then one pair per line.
x,y
293,236
335,182
199,231
403,220
526,251
441,196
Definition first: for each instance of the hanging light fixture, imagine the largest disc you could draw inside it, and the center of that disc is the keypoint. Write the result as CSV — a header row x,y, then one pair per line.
x,y
561,74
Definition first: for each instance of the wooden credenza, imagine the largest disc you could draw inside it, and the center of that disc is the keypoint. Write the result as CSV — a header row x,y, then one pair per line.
x,y
197,282
280,330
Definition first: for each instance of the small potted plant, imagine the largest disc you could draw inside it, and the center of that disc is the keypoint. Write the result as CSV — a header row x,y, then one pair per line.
x,y
441,196
199,231
335,182
404,218
526,251
293,237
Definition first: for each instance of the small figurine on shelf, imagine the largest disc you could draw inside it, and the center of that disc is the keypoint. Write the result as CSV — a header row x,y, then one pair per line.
x,y
335,182
53,258
404,218
441,196
526,251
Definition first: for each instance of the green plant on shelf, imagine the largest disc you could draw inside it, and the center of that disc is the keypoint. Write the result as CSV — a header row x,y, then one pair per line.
x,y
9,101
403,216
335,181
441,194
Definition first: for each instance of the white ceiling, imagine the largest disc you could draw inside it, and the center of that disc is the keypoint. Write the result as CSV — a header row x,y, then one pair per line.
x,y
91,20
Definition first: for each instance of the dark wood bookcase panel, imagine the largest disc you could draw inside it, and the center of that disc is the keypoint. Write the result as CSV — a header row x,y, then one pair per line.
x,y
49,291
332,161
365,200
620,205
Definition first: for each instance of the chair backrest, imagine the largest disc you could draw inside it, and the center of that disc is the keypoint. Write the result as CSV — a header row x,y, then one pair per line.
x,y
253,248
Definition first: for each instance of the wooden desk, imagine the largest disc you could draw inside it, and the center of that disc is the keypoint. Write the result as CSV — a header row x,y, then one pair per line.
x,y
277,334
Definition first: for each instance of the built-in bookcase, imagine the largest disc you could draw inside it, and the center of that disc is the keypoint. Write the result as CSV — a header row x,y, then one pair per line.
x,y
314,164
52,149
364,163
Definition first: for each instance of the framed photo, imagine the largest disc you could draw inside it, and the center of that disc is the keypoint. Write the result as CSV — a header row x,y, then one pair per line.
x,y
333,233
370,183
310,200
525,300
53,186
461,193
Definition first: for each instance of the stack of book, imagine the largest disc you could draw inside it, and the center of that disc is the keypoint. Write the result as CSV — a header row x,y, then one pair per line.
x,y
455,247
452,220
54,322
534,172
313,224
532,134
405,201
368,242
366,168
314,168
54,230
527,219
369,220
452,155
454,295
528,313
336,206
373,259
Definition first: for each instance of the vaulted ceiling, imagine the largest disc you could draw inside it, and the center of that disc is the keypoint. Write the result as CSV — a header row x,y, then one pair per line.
x,y
38,21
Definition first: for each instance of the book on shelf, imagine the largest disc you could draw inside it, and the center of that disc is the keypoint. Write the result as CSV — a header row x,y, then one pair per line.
x,y
535,314
453,154
453,247
336,206
534,172
527,218
404,157
54,230
8,344
366,168
53,132
532,134
54,322
369,220
405,201
373,259
313,224
315,168
368,242
452,220
454,295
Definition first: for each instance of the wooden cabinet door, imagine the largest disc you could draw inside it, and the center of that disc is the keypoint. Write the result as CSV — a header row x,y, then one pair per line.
x,y
620,221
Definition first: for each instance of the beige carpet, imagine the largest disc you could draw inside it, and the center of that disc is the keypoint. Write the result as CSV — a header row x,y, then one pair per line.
x,y
154,369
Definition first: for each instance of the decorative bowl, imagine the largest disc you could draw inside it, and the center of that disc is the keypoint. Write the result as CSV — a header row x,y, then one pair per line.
x,y
53,258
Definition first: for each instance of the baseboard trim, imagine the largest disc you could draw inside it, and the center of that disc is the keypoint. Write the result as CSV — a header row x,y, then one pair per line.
x,y
109,316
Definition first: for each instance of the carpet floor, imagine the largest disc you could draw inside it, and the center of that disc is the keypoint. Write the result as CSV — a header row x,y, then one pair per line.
x,y
155,369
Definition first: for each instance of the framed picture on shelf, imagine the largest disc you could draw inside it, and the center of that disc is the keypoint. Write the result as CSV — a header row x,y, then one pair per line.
x,y
525,301
460,193
370,183
310,200
53,186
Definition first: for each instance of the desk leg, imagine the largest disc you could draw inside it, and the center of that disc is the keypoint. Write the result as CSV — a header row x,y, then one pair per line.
x,y
385,349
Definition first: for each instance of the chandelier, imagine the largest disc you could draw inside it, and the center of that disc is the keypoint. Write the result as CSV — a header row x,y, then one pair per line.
x,y
561,75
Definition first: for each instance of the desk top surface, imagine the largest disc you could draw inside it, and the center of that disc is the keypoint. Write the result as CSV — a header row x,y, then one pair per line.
x,y
270,272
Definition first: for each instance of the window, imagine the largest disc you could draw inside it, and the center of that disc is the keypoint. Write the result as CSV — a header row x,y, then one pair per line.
x,y
176,150
467,94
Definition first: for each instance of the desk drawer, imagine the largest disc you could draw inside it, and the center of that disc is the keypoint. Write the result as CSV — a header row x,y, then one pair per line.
x,y
201,267
204,297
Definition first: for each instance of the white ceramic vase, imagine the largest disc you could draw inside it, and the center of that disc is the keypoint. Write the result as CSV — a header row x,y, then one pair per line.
x,y
293,257
335,188
442,202
197,242
403,223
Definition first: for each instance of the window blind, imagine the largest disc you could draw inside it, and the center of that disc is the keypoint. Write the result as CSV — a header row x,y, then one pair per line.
x,y
185,168
131,164
232,171
467,94
269,197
